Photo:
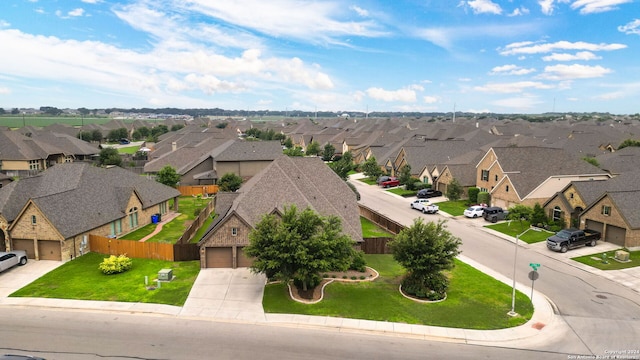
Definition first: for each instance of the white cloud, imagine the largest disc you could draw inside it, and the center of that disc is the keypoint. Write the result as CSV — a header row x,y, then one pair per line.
x,y
582,55
519,11
360,11
631,28
484,7
531,48
91,1
76,12
547,6
597,6
430,99
4,90
4,23
404,95
575,71
510,70
610,96
514,87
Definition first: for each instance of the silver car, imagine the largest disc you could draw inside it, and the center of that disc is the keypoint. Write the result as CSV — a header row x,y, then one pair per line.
x,y
12,258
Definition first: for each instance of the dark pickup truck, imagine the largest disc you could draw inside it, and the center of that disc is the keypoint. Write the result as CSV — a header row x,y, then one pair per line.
x,y
567,239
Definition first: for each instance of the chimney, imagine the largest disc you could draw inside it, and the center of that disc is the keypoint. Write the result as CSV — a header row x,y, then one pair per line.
x,y
174,146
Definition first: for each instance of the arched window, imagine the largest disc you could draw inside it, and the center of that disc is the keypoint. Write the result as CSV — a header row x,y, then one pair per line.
x,y
557,213
133,217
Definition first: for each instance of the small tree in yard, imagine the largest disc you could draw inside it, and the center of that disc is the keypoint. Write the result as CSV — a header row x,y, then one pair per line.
x,y
230,182
473,194
313,148
110,156
405,177
454,190
328,152
425,250
299,246
538,217
371,169
168,176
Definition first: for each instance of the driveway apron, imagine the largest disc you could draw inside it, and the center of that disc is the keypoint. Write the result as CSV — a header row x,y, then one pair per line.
x,y
233,294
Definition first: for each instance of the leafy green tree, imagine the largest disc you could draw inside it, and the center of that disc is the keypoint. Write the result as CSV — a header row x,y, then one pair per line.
x,y
222,125
117,134
313,148
110,156
2,111
296,151
85,135
176,127
454,190
425,250
168,176
473,194
629,142
230,182
371,169
84,111
328,152
299,246
405,177
288,143
538,217
280,137
343,166
15,111
96,135
484,197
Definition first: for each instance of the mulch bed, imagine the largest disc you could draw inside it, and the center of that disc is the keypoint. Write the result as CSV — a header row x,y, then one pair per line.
x,y
315,294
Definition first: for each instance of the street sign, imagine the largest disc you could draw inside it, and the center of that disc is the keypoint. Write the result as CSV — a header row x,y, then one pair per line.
x,y
535,266
533,275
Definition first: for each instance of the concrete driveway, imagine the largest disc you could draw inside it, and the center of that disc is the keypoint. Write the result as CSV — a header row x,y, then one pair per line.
x,y
21,276
233,294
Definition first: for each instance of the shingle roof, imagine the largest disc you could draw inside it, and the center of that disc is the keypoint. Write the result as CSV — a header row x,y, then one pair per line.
x,y
627,204
77,197
303,182
241,150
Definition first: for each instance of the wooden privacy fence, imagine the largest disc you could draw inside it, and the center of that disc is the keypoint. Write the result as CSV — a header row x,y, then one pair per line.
x,y
197,223
144,250
375,246
193,190
380,220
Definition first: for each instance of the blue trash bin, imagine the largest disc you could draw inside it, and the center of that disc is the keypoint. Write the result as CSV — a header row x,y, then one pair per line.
x,y
154,219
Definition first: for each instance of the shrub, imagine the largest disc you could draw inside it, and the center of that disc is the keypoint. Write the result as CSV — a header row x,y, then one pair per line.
x,y
357,262
196,212
484,198
362,277
115,264
353,278
431,287
473,195
419,185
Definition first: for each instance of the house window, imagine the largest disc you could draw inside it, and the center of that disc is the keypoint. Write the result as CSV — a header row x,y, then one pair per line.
x,y
507,188
234,231
496,178
116,227
133,217
163,208
557,213
571,196
68,159
606,210
33,220
485,175
34,165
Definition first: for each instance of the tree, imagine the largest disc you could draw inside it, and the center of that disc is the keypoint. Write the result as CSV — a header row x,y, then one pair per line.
x,y
84,111
484,197
296,151
176,127
230,182
405,177
343,166
538,217
299,246
313,148
15,111
519,212
371,169
288,143
2,111
85,135
96,135
168,176
425,250
473,194
454,190
110,156
629,142
117,134
328,152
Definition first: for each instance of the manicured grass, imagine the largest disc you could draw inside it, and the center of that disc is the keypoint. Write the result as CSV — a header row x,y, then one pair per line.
x,y
141,232
200,233
453,208
128,149
402,191
474,300
371,230
514,228
80,279
595,260
369,181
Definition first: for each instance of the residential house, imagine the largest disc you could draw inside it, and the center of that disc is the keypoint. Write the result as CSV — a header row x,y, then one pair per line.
x,y
529,175
305,182
51,215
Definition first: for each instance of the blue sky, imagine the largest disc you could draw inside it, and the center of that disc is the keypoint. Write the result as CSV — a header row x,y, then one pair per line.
x,y
389,55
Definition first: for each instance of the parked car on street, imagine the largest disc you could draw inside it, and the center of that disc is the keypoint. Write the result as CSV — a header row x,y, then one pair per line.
x,y
390,183
12,258
425,206
494,213
474,211
383,178
428,193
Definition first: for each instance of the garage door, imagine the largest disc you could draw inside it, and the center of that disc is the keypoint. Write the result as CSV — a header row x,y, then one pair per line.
x,y
26,245
594,225
615,235
49,250
219,257
243,260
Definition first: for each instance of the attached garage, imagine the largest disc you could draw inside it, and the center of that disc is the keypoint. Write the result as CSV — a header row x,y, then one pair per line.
x,y
26,245
243,260
49,250
219,257
594,225
615,235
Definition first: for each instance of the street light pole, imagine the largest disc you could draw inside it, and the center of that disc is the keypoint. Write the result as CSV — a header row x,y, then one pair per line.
x,y
515,257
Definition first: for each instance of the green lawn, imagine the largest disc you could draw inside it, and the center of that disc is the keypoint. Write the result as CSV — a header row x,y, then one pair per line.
x,y
400,190
474,300
514,228
595,260
371,230
453,208
128,149
81,279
